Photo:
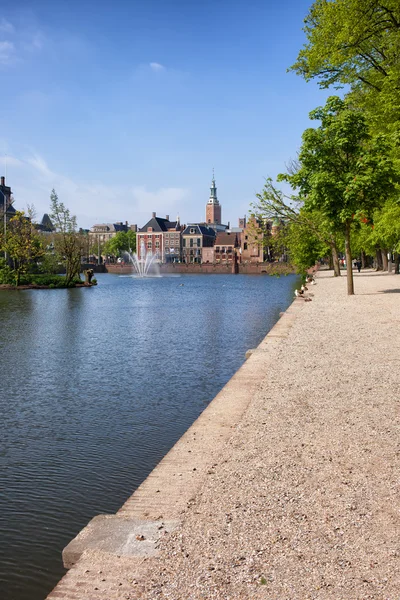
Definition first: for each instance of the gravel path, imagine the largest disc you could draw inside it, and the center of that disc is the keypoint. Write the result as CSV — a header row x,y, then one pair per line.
x,y
304,501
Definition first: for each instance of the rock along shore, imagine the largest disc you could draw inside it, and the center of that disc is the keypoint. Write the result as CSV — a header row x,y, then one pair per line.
x,y
287,486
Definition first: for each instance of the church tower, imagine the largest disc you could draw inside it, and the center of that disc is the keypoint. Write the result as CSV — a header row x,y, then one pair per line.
x,y
213,207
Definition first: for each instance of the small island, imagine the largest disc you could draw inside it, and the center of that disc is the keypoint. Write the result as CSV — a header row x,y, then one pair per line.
x,y
45,256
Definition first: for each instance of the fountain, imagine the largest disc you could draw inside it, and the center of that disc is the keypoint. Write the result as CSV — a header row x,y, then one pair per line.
x,y
145,266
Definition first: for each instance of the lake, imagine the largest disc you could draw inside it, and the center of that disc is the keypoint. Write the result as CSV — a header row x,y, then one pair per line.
x,y
96,386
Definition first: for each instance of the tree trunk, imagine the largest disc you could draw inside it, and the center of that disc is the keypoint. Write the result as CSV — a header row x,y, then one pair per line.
x,y
396,263
385,261
335,260
350,282
363,260
379,263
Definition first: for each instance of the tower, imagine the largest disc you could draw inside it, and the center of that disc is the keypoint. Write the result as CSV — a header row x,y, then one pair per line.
x,y
213,207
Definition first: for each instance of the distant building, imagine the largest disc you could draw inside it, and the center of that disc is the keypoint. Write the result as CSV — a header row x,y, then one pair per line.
x,y
196,240
6,200
252,243
161,237
226,244
214,210
45,225
105,231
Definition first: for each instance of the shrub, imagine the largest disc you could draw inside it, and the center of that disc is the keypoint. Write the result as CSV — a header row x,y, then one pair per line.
x,y
6,274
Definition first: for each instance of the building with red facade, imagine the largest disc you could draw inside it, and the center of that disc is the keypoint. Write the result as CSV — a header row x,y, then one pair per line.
x,y
162,238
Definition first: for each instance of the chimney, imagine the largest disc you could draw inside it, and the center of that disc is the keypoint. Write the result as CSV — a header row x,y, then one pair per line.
x,y
126,223
167,217
3,181
153,215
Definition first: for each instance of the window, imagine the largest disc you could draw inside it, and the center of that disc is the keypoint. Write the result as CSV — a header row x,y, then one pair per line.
x,y
192,230
149,245
157,243
245,246
184,242
191,242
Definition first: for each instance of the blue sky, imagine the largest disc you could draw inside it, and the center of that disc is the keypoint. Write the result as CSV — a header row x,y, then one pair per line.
x,y
125,107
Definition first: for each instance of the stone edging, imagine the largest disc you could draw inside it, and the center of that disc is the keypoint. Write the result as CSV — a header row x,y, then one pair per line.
x,y
156,507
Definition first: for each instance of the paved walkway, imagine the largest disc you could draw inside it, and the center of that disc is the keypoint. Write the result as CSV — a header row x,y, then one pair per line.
x,y
299,496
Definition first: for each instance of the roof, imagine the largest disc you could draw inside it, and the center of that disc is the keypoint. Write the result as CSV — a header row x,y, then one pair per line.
x,y
226,239
160,224
10,208
200,229
109,227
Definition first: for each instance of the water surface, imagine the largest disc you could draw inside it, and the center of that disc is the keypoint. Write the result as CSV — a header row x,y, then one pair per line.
x,y
96,386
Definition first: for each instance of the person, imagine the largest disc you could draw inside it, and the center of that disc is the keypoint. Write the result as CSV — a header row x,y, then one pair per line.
x,y
355,263
358,265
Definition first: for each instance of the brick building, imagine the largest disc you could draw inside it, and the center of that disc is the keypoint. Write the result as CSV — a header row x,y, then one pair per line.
x,y
253,246
196,239
161,237
226,245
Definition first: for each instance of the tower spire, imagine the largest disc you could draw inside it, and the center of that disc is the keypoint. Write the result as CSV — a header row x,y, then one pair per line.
x,y
213,191
213,207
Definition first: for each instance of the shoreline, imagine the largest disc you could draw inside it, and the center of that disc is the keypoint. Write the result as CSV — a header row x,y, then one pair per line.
x,y
287,485
154,509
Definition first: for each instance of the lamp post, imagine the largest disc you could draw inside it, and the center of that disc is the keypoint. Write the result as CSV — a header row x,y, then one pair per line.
x,y
5,220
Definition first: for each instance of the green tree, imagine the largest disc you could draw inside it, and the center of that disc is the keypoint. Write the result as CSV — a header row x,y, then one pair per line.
x,y
123,241
68,243
356,43
303,224
22,244
343,172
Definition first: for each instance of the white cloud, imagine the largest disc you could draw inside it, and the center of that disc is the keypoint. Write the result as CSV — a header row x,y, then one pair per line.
x,y
154,66
7,53
6,26
32,181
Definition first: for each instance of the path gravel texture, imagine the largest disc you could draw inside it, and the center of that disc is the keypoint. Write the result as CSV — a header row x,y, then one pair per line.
x,y
304,500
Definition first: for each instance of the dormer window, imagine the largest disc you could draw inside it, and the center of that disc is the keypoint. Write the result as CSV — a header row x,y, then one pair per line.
x,y
192,230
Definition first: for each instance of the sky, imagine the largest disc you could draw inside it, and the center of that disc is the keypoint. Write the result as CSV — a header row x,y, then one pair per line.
x,y
125,107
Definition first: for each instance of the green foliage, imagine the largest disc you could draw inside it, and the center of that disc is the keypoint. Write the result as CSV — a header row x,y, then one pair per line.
x,y
343,170
303,245
49,263
123,241
21,243
6,273
68,243
356,43
51,281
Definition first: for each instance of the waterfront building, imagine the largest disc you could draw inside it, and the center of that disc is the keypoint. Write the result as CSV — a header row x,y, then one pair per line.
x,y
105,231
197,239
226,245
253,247
161,237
